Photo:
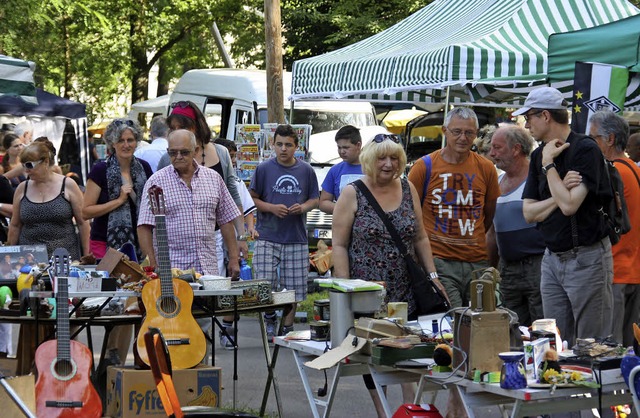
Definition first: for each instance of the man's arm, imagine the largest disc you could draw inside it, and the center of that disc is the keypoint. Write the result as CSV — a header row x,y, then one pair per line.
x,y
229,237
326,202
567,200
145,239
538,210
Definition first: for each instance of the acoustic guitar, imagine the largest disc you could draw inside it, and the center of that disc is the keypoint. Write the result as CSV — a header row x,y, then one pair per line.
x,y
168,302
64,387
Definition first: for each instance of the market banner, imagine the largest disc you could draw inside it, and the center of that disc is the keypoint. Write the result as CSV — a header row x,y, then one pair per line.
x,y
16,78
597,87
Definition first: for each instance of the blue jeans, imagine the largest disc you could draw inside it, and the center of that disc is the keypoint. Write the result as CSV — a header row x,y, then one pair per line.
x,y
576,290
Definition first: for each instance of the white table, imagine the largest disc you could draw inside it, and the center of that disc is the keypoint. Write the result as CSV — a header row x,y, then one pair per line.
x,y
356,366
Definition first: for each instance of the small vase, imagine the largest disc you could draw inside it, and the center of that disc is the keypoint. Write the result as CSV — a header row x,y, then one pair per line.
x,y
512,375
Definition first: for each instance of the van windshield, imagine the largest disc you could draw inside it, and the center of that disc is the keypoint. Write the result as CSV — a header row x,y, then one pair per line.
x,y
328,121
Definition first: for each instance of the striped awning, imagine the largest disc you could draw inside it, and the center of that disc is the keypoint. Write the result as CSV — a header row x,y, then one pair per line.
x,y
473,47
16,78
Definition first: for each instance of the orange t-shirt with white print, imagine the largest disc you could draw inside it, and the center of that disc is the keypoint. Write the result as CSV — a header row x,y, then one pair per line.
x,y
453,210
626,253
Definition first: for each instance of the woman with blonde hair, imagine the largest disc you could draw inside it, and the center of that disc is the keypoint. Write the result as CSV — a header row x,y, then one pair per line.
x,y
362,245
46,205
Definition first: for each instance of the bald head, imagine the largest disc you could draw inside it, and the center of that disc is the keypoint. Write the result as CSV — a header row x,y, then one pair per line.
x,y
633,147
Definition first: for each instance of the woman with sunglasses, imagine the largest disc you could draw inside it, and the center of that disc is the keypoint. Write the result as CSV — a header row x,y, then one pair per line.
x,y
13,147
46,205
362,245
114,189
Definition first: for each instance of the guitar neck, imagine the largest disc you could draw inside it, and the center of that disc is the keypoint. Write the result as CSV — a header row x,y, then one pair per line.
x,y
162,257
62,318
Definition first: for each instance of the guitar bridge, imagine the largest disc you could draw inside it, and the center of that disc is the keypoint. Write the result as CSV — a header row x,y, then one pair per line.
x,y
63,404
178,341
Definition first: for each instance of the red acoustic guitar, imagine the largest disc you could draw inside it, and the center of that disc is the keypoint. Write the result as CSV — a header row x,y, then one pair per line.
x,y
168,302
64,387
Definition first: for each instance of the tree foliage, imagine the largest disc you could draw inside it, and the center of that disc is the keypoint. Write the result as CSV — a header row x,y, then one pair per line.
x,y
100,52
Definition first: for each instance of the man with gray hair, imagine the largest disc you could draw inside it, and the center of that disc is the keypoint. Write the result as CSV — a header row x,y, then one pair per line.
x,y
611,133
577,266
24,130
458,191
520,245
158,147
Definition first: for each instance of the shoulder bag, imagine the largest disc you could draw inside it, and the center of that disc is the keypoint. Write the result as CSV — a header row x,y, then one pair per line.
x,y
429,299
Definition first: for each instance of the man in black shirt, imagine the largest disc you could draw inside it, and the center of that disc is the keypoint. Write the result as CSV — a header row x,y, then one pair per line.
x,y
577,267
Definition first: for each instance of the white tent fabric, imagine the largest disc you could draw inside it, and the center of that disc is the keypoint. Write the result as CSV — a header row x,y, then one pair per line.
x,y
16,78
451,43
159,105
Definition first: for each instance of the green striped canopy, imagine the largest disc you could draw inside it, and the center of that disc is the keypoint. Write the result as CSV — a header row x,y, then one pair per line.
x,y
473,46
16,78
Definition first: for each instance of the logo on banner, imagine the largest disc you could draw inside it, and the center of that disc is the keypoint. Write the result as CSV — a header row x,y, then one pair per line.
x,y
602,103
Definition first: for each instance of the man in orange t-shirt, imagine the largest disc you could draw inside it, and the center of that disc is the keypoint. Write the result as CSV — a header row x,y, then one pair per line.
x,y
458,206
611,133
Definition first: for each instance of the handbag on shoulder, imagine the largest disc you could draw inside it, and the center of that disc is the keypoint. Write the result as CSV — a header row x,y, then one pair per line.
x,y
429,299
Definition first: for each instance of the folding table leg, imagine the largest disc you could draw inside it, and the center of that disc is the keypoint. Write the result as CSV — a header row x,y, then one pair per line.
x,y
271,364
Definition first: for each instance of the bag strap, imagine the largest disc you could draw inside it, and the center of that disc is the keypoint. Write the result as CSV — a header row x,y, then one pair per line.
x,y
385,219
618,160
427,177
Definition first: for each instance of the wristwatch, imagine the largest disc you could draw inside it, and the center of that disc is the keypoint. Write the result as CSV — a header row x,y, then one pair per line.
x,y
433,275
242,237
548,167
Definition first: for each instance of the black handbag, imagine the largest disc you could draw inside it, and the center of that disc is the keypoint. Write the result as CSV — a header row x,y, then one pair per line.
x,y
429,299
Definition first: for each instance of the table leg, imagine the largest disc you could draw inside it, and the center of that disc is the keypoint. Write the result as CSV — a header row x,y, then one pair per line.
x,y
235,349
307,386
271,364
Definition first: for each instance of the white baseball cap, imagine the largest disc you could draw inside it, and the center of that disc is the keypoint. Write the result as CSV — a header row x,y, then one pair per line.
x,y
542,98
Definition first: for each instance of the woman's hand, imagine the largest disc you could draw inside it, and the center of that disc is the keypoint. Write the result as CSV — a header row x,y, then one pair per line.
x,y
125,191
442,289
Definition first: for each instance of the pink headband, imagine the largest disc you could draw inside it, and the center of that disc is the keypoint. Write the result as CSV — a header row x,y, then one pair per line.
x,y
184,111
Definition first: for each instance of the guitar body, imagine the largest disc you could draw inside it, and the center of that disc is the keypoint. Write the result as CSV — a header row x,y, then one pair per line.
x,y
172,315
60,381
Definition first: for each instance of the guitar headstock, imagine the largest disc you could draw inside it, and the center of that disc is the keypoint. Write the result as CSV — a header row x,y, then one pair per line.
x,y
156,200
60,263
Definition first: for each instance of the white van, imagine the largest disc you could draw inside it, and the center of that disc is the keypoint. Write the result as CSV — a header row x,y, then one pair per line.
x,y
233,96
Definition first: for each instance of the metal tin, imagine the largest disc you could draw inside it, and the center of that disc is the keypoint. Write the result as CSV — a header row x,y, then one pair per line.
x,y
319,330
321,310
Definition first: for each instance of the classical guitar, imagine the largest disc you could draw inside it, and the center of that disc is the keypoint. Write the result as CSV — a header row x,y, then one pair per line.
x,y
64,387
168,302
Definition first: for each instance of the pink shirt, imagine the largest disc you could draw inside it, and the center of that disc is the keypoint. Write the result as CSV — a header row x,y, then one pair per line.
x,y
191,216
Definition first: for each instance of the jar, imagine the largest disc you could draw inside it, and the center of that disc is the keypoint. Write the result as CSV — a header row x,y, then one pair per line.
x,y
512,375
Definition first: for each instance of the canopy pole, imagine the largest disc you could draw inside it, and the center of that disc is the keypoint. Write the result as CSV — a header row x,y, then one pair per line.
x,y
444,116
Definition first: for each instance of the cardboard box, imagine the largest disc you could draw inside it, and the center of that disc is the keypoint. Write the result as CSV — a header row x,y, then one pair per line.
x,y
25,388
118,265
132,393
82,281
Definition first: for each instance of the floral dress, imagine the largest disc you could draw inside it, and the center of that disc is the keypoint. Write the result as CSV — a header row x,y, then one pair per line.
x,y
373,255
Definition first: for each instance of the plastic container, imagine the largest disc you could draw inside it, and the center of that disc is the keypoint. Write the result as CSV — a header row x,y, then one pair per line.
x,y
215,282
245,270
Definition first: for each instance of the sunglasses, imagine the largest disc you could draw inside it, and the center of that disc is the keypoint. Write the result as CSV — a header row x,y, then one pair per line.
x,y
182,104
30,165
127,122
384,137
183,152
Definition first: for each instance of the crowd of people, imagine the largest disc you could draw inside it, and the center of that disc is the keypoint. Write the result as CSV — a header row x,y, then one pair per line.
x,y
498,200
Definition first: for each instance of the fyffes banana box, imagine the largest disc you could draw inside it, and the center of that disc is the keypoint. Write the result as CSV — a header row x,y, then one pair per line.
x,y
132,393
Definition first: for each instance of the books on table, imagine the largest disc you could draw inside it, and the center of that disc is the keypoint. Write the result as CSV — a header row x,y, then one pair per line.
x,y
348,285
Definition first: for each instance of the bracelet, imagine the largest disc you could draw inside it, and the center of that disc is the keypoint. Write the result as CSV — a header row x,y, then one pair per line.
x,y
433,275
242,237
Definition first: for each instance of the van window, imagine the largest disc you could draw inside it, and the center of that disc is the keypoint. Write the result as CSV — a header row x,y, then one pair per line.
x,y
215,111
323,121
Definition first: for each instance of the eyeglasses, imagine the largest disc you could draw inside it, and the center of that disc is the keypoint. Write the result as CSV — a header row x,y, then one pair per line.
x,y
30,165
384,137
120,122
458,132
529,115
182,104
173,153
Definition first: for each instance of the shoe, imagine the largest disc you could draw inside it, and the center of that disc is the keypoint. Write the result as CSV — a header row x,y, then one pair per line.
x,y
286,329
270,325
225,342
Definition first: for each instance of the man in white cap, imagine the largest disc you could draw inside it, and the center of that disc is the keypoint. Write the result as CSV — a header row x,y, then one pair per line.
x,y
577,266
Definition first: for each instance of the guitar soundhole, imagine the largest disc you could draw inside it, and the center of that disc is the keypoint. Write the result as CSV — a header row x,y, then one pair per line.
x,y
63,369
168,306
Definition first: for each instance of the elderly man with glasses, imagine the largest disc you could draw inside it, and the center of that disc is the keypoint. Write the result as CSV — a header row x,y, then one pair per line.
x,y
564,192
458,190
